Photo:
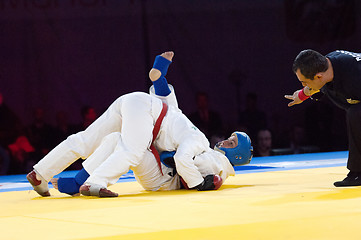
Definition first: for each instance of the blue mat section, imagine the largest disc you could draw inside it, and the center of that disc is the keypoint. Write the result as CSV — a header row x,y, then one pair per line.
x,y
296,161
258,164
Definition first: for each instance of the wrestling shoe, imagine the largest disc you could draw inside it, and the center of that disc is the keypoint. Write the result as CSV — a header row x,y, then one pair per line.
x,y
40,186
96,190
352,179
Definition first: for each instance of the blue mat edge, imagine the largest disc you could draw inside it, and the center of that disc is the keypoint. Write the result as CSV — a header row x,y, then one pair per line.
x,y
255,166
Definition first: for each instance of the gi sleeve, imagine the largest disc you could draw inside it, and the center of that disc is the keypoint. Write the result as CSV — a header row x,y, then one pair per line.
x,y
170,100
184,160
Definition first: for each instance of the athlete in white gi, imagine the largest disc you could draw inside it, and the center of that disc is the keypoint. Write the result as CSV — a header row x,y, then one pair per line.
x,y
126,131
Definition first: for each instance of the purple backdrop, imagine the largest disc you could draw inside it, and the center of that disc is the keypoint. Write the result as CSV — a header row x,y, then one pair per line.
x,y
63,54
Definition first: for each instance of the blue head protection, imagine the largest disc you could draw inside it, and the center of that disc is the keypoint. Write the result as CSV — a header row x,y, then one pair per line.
x,y
242,153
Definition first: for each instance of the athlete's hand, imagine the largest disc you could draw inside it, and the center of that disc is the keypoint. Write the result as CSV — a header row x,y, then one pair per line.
x,y
295,99
211,182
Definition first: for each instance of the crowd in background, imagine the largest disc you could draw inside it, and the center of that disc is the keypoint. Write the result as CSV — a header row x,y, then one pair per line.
x,y
21,146
315,132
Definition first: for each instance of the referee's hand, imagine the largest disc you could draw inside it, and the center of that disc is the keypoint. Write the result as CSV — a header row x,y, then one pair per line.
x,y
295,99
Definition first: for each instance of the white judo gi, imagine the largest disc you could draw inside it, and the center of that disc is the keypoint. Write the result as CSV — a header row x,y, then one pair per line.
x,y
147,172
127,127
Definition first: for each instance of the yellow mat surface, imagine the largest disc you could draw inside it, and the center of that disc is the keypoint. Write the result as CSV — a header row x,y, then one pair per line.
x,y
294,204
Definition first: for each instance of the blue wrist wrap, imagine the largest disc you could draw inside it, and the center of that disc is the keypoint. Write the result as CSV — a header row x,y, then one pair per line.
x,y
71,185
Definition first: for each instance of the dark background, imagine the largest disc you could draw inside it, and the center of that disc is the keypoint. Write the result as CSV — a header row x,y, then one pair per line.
x,y
64,54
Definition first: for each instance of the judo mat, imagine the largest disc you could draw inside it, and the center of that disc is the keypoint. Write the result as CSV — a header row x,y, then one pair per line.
x,y
279,197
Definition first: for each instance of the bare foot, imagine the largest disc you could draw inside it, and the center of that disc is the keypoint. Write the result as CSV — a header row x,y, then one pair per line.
x,y
168,55
54,181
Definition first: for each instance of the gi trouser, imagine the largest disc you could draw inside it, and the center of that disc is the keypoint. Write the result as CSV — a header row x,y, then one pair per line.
x,y
133,115
353,118
146,170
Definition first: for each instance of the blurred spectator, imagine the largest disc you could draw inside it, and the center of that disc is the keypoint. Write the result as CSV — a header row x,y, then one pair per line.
x,y
88,115
263,145
62,128
208,121
22,157
40,134
297,139
10,124
13,146
252,118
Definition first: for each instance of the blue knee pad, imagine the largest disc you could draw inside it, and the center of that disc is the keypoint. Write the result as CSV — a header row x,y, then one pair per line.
x,y
71,185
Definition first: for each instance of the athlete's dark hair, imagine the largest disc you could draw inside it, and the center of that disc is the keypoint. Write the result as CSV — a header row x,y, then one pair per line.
x,y
310,63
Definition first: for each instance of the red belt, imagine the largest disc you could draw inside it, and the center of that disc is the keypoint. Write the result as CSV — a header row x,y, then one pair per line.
x,y
155,134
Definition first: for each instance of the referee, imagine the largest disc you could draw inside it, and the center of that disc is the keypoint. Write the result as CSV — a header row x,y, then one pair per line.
x,y
337,75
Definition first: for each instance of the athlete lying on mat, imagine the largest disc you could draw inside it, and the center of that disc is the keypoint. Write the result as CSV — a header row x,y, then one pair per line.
x,y
129,135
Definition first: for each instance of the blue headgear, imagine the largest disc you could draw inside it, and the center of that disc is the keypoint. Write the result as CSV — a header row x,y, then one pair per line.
x,y
242,153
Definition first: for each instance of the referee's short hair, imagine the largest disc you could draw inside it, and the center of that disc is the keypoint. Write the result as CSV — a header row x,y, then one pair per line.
x,y
310,63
